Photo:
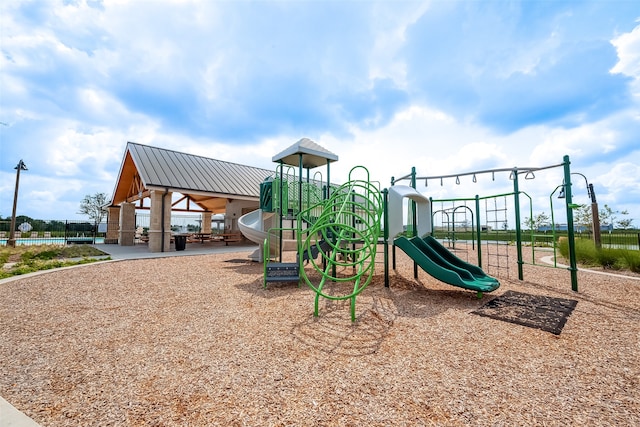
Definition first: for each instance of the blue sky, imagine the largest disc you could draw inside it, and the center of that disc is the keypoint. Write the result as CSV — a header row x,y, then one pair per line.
x,y
445,86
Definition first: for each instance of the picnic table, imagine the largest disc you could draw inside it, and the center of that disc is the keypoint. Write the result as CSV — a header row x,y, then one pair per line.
x,y
231,237
201,236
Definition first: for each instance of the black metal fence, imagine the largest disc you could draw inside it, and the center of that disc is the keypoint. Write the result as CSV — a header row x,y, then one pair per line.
x,y
617,239
39,232
62,232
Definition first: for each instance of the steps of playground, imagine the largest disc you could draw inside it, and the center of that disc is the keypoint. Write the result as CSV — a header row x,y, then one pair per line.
x,y
282,272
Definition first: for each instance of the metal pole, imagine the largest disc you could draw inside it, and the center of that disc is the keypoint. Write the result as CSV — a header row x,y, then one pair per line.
x,y
595,216
386,222
478,231
431,215
300,183
385,197
328,178
12,232
516,196
414,218
281,211
573,268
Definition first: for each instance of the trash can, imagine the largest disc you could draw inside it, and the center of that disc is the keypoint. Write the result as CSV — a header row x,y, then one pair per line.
x,y
181,242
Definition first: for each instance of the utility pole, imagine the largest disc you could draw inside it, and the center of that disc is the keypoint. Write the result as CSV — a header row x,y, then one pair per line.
x,y
12,232
595,216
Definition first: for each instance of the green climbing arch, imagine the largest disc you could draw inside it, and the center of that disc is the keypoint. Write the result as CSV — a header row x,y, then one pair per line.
x,y
344,230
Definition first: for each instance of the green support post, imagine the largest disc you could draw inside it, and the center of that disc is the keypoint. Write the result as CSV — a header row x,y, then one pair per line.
x,y
553,227
478,229
281,202
300,182
385,204
516,196
431,213
393,249
414,218
573,268
328,179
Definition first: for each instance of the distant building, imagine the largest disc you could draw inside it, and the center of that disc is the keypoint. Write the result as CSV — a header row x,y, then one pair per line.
x,y
578,228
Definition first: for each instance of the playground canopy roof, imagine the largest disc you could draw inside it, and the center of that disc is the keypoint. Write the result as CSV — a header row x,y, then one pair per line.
x,y
312,155
208,183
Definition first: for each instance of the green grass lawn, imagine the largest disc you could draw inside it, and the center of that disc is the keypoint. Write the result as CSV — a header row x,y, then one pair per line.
x,y
27,259
588,255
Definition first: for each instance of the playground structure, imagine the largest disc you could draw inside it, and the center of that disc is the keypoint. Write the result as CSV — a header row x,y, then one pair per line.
x,y
495,216
336,228
335,231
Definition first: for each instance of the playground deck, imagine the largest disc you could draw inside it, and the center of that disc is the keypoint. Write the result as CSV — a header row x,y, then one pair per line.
x,y
197,341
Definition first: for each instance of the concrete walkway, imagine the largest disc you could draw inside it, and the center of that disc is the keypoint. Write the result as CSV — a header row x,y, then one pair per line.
x,y
9,415
141,251
549,260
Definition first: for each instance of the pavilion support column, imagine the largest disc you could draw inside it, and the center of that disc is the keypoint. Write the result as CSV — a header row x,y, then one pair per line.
x,y
206,222
113,225
160,241
127,233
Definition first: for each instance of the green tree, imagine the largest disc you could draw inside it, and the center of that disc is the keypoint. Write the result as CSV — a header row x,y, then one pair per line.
x,y
582,216
609,216
93,206
625,223
537,221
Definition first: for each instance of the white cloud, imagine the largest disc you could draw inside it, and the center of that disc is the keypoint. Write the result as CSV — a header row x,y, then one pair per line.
x,y
390,21
384,85
622,182
75,153
435,144
580,141
628,47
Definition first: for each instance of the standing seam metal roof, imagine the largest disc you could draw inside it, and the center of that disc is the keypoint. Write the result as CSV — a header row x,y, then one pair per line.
x,y
180,171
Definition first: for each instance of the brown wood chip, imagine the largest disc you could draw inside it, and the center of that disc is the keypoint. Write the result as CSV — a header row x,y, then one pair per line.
x,y
197,341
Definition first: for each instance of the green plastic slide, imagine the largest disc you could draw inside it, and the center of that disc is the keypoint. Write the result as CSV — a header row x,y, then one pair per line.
x,y
437,261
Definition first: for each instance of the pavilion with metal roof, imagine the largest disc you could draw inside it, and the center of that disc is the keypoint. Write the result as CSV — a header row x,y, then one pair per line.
x,y
149,177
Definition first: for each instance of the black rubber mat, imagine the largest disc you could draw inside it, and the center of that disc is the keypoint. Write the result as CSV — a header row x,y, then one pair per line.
x,y
534,311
